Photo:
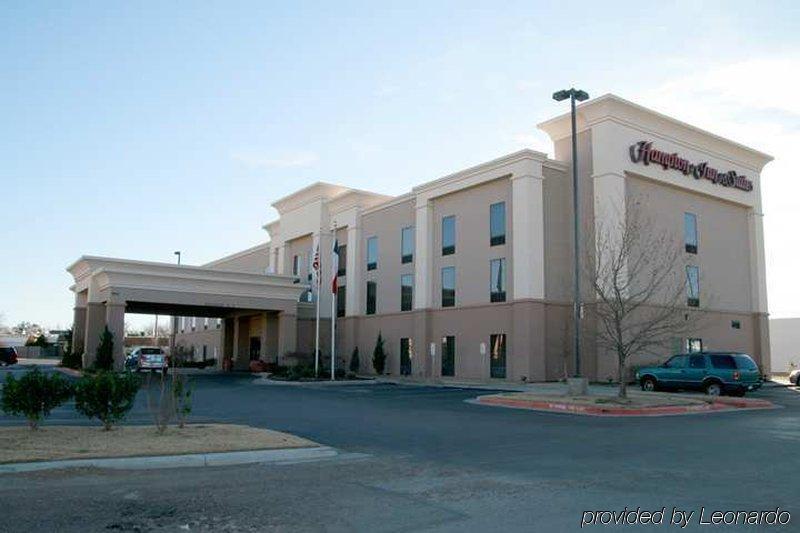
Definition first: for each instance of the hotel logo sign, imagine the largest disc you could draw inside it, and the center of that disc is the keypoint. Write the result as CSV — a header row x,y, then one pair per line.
x,y
643,152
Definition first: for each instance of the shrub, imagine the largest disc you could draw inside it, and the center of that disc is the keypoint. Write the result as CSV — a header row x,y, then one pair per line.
x,y
106,396
182,398
379,355
34,395
72,360
104,357
355,363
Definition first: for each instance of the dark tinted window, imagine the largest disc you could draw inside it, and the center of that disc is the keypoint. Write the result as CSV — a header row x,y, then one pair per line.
x,y
406,292
372,253
449,235
723,361
697,361
497,280
407,244
150,351
342,260
448,286
372,294
497,223
745,363
679,361
341,300
497,359
690,232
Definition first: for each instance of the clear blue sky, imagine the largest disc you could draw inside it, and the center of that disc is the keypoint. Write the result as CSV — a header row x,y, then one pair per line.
x,y
135,129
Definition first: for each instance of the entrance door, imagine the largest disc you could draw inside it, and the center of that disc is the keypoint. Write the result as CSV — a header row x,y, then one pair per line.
x,y
449,356
405,357
255,348
497,361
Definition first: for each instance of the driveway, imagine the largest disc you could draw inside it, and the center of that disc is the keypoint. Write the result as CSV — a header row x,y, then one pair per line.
x,y
423,459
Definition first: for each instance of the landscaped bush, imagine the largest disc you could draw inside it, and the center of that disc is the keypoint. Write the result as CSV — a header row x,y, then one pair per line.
x,y
197,364
379,355
34,395
104,357
72,360
107,396
355,362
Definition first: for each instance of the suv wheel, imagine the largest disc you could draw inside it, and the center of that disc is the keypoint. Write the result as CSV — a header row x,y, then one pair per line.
x,y
649,384
713,388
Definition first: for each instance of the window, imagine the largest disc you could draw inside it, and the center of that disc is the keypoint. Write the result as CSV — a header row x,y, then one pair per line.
x,y
697,361
194,323
449,356
205,352
296,265
690,232
448,286
406,292
497,224
219,323
449,235
679,361
183,323
744,362
205,323
372,253
692,286
497,280
341,300
342,260
407,244
372,294
406,349
497,360
694,345
310,265
723,361
735,324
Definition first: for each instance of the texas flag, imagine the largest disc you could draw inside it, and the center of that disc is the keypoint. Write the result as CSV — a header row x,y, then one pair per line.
x,y
335,266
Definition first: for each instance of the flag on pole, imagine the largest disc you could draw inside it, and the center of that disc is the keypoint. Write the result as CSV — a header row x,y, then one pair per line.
x,y
335,266
315,265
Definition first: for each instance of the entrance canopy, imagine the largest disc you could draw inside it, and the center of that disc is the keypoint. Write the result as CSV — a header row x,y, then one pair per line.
x,y
106,288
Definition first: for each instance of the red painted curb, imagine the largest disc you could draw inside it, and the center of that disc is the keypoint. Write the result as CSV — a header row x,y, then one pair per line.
x,y
592,410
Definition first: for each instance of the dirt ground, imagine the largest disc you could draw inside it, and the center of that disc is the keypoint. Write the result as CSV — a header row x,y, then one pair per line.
x,y
20,444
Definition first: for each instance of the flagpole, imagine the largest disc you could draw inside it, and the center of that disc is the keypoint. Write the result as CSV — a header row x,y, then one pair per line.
x,y
317,283
333,308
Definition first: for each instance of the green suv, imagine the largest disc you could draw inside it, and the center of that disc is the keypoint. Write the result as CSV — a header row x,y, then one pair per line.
x,y
714,373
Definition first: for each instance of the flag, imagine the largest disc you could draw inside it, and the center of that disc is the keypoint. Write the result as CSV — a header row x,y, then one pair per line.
x,y
315,264
335,266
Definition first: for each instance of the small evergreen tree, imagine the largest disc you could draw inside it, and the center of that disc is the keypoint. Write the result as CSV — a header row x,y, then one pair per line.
x,y
34,395
106,396
379,355
104,357
355,363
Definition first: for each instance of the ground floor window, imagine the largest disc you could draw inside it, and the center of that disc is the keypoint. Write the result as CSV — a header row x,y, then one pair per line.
x,y
497,359
406,346
255,348
449,355
694,345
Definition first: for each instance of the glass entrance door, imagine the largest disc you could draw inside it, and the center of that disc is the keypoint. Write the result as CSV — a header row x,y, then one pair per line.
x,y
449,356
497,359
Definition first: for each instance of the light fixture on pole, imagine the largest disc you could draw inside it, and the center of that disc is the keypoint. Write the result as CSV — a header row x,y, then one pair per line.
x,y
575,95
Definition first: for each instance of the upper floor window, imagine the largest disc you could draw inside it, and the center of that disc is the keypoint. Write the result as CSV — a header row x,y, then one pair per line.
x,y
342,260
205,323
690,232
372,253
219,323
372,296
449,235
194,323
310,274
296,265
341,299
183,323
407,244
497,284
497,224
692,285
406,292
448,286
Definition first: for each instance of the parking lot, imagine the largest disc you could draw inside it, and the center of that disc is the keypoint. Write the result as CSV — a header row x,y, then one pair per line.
x,y
421,458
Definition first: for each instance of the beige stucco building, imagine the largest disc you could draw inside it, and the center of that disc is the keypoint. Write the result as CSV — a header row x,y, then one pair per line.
x,y
469,276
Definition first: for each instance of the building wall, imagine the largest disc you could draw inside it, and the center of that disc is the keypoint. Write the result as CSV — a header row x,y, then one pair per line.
x,y
785,343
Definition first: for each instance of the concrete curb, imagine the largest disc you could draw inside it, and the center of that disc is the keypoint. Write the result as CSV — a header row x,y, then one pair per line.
x,y
284,455
345,383
554,406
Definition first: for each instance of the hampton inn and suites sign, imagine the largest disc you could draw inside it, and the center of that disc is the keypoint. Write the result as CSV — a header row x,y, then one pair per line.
x,y
643,152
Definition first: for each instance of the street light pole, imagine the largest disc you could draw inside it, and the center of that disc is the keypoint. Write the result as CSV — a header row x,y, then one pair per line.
x,y
575,95
174,320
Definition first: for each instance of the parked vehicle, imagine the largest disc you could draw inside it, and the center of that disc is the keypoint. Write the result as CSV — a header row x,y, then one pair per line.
x,y
714,373
147,358
8,356
794,376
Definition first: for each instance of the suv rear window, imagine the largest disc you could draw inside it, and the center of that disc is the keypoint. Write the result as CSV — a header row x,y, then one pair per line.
x,y
723,361
745,363
151,351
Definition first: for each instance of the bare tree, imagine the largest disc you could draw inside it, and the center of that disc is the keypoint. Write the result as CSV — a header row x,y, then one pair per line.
x,y
639,278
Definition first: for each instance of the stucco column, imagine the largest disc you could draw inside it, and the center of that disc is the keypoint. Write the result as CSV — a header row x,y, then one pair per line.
x,y
758,287
264,335
79,323
423,230
281,259
235,343
353,280
115,320
95,322
287,333
242,360
527,204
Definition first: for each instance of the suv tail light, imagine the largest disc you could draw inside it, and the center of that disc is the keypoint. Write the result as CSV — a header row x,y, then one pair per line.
x,y
736,375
